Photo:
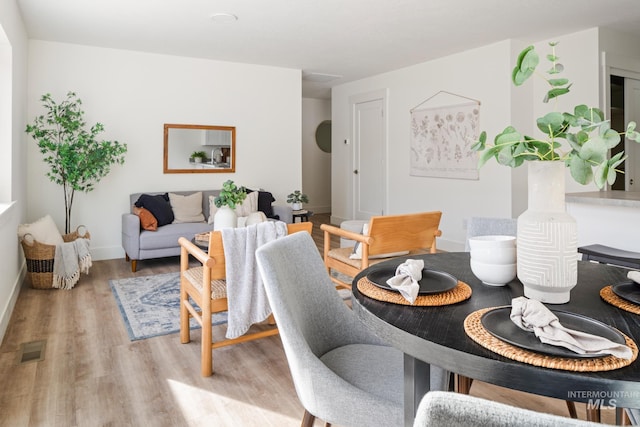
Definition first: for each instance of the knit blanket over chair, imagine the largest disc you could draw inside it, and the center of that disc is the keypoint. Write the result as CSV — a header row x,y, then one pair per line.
x,y
71,259
246,297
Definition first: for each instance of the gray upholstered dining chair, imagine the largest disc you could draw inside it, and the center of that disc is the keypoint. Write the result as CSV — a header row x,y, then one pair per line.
x,y
485,226
445,409
343,374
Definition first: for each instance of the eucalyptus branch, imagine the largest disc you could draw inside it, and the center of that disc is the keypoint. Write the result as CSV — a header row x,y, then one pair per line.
x,y
586,149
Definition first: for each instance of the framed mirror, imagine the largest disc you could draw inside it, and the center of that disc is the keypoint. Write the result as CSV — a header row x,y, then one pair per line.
x,y
199,149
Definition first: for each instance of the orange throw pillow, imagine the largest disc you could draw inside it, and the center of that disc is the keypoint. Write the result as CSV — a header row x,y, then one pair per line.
x,y
147,220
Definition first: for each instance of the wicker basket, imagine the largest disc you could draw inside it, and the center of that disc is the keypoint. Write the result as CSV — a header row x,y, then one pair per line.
x,y
40,257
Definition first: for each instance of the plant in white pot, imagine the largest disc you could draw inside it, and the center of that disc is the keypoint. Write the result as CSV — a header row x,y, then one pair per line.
x,y
547,235
297,198
230,196
77,159
198,156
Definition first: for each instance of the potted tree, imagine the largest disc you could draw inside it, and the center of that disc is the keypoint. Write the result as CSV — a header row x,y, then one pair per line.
x,y
230,196
77,159
547,235
297,198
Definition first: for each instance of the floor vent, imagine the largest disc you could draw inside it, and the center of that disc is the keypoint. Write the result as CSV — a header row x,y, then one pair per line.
x,y
31,352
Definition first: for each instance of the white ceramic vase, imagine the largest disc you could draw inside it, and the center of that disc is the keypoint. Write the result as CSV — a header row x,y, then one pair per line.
x,y
296,206
547,259
225,217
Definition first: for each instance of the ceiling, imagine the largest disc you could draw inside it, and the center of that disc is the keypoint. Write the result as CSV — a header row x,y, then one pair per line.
x,y
350,39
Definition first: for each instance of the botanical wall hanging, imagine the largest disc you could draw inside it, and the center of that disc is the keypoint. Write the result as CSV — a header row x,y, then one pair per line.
x,y
441,139
77,159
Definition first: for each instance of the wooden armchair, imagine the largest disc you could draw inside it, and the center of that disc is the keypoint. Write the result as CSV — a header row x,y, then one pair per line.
x,y
388,236
206,286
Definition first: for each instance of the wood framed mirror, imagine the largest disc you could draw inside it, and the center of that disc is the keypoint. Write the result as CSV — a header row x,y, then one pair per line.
x,y
216,146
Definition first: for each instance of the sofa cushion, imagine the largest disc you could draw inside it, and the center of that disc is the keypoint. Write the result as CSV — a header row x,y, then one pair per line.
x,y
167,236
159,207
248,205
147,220
186,208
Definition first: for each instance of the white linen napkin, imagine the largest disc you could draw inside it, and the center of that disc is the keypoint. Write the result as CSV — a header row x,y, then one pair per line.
x,y
634,275
406,279
533,316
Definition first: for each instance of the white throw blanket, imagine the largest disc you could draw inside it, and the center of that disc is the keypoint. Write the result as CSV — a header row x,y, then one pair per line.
x,y
71,259
246,298
533,316
408,274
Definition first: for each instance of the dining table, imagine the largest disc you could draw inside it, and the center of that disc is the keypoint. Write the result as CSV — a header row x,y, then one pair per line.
x,y
436,336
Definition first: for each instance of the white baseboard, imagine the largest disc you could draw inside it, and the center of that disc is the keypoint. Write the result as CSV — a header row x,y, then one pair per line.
x,y
107,252
7,310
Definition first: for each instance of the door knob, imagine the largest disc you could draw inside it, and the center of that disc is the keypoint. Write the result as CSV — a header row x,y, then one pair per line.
x,y
355,171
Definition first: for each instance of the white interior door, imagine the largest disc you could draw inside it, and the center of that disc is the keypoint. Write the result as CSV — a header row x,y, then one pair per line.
x,y
369,167
632,148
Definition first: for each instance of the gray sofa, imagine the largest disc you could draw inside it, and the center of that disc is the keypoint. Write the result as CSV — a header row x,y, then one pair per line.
x,y
142,244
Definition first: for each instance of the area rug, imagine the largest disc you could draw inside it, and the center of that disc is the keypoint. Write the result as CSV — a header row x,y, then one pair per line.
x,y
150,305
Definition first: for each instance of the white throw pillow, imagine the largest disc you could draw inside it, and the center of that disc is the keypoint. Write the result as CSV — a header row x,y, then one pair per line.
x,y
252,218
43,230
186,208
357,249
249,205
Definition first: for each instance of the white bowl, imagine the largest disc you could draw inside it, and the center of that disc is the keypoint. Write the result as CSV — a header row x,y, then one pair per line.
x,y
494,255
493,274
493,241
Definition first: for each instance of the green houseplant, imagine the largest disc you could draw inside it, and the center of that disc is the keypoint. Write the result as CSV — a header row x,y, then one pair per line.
x,y
297,198
198,156
546,234
230,196
588,136
77,159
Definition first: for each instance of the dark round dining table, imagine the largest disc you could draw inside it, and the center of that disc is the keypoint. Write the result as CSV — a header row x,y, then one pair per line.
x,y
436,336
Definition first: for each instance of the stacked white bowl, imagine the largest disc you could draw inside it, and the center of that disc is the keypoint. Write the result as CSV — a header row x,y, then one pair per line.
x,y
493,259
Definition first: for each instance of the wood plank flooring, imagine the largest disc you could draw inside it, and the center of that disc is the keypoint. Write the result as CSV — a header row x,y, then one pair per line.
x,y
92,375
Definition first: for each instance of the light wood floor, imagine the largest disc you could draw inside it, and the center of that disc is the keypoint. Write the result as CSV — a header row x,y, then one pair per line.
x,y
92,375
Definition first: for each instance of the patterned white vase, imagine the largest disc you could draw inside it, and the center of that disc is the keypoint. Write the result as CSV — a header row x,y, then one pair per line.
x,y
547,237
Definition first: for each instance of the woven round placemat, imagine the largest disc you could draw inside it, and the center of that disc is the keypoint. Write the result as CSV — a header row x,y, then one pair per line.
x,y
461,292
476,331
609,296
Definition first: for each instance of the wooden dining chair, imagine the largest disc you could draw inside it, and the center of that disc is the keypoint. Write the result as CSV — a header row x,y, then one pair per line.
x,y
203,292
387,236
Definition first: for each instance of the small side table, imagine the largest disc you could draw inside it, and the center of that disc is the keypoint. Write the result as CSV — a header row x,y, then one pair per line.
x,y
303,215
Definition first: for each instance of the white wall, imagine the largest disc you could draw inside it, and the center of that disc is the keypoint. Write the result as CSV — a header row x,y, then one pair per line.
x,y
316,164
13,83
133,94
482,74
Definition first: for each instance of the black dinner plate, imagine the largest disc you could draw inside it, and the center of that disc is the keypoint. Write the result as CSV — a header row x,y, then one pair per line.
x,y
432,282
629,291
498,323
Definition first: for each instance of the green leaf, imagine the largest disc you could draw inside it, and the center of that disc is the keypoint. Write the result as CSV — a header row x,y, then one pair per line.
x,y
558,82
480,144
486,155
580,170
556,92
551,123
555,69
525,66
609,137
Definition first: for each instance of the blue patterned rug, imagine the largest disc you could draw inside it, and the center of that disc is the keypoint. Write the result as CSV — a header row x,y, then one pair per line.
x,y
150,305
